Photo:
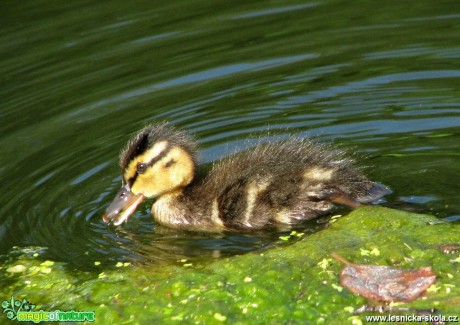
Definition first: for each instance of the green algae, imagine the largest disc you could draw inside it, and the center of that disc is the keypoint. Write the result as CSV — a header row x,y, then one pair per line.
x,y
297,283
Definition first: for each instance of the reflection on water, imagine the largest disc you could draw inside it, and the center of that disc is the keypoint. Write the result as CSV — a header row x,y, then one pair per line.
x,y
78,80
167,244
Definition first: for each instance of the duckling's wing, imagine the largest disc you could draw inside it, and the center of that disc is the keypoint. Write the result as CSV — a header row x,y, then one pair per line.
x,y
284,182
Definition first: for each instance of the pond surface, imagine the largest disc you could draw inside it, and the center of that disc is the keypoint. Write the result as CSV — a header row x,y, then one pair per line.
x,y
79,78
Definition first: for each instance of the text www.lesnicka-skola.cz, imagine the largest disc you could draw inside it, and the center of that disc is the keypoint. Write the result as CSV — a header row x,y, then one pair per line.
x,y
412,318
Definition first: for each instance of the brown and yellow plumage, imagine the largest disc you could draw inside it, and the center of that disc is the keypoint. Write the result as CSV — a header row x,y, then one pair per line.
x,y
275,183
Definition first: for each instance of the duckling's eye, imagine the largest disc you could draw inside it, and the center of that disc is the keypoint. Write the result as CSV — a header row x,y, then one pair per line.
x,y
141,168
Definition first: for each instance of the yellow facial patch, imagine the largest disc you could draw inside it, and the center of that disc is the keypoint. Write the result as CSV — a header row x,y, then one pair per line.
x,y
173,170
145,158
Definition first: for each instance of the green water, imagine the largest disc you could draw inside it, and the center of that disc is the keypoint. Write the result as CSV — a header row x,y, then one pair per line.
x,y
77,79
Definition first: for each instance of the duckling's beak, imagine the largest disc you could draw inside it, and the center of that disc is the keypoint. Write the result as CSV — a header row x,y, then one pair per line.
x,y
124,205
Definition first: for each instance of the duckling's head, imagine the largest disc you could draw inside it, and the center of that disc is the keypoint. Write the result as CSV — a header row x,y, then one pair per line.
x,y
158,160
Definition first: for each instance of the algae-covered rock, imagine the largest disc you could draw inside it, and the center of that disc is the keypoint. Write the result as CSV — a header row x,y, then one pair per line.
x,y
297,282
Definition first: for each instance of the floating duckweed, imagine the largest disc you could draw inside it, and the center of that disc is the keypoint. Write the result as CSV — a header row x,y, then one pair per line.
x,y
335,218
324,263
396,304
457,260
355,320
33,269
46,270
337,287
292,234
16,269
364,252
375,251
449,287
178,288
120,264
295,233
433,288
47,263
220,317
178,317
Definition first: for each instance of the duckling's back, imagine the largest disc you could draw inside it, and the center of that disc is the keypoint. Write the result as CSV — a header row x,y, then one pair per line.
x,y
279,183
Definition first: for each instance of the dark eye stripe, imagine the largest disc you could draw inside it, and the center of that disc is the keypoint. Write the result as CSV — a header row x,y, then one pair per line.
x,y
135,149
152,162
131,180
160,156
170,163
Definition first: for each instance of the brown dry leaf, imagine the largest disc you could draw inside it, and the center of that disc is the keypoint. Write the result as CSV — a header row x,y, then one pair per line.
x,y
385,283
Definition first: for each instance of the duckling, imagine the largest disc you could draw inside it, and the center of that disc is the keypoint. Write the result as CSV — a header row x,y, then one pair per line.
x,y
278,183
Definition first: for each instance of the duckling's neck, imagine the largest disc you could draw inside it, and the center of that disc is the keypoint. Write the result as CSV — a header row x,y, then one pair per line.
x,y
167,210
175,210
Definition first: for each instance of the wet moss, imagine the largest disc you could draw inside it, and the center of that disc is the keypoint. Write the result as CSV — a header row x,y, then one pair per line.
x,y
298,282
